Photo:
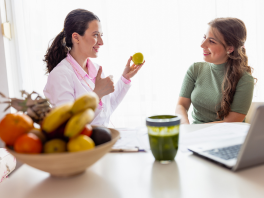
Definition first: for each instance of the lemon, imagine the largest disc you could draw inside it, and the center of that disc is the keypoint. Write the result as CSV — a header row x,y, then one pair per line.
x,y
138,58
80,143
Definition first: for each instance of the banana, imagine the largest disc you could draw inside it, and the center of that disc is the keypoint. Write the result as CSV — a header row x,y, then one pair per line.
x,y
56,117
89,100
77,123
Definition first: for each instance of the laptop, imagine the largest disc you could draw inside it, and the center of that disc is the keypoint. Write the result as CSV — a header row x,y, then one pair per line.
x,y
237,154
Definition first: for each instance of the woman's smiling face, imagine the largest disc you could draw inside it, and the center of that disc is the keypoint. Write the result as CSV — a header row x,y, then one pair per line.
x,y
213,49
91,41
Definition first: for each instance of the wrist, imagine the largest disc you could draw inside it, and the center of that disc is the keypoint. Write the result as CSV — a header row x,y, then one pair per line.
x,y
185,121
126,77
125,80
99,95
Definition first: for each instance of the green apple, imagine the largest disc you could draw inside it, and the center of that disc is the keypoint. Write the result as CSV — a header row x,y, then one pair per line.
x,y
138,58
55,146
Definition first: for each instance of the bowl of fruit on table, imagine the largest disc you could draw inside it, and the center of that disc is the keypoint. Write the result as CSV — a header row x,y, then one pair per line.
x,y
65,144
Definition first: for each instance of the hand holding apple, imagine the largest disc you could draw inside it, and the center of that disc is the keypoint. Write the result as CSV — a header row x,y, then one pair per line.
x,y
132,70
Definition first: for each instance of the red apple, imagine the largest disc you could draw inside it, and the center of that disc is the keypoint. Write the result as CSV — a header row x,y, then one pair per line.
x,y
87,130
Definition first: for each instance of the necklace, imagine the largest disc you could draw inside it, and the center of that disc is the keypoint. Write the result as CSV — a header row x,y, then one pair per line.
x,y
79,74
88,86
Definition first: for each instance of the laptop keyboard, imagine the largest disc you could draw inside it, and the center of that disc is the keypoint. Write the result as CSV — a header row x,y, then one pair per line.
x,y
226,153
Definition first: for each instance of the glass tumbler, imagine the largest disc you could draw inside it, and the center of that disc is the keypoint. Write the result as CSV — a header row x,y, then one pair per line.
x,y
163,132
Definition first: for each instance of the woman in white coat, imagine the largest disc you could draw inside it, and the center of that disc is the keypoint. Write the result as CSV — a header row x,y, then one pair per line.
x,y
72,73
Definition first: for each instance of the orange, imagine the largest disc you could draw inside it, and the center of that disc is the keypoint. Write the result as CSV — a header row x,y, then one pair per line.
x,y
28,143
14,125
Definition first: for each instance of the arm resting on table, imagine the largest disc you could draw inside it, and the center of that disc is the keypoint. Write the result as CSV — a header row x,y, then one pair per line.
x,y
182,108
232,117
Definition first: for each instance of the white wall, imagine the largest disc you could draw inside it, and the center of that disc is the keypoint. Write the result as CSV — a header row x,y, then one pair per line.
x,y
168,33
3,76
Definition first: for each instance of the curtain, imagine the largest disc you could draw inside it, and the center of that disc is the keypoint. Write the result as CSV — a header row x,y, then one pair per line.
x,y
168,33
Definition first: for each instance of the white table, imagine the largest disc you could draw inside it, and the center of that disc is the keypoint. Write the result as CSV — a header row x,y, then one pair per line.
x,y
136,175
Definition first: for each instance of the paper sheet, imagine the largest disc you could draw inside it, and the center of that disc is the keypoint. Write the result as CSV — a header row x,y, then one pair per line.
x,y
132,138
7,163
218,132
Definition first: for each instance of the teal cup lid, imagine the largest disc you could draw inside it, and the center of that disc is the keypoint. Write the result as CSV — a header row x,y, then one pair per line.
x,y
163,120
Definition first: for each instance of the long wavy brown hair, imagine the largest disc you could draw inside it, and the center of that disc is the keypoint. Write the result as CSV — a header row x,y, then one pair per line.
x,y
234,32
76,21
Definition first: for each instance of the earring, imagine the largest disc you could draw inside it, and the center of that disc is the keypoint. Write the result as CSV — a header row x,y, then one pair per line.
x,y
227,52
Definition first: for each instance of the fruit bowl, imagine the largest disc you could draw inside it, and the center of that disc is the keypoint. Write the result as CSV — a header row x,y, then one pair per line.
x,y
67,164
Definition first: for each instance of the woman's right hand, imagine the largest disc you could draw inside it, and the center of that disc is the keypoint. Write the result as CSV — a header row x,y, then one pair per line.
x,y
182,108
103,86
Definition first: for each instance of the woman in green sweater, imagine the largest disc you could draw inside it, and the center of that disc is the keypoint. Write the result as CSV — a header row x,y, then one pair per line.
x,y
221,88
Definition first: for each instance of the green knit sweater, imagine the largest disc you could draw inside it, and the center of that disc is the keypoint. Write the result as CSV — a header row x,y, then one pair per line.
x,y
202,84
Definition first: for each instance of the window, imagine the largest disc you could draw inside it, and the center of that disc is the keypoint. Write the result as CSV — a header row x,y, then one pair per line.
x,y
168,33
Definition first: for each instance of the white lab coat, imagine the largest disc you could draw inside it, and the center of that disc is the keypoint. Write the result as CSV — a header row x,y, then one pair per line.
x,y
64,86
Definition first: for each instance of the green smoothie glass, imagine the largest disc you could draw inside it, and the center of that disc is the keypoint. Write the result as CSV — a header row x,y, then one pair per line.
x,y
163,131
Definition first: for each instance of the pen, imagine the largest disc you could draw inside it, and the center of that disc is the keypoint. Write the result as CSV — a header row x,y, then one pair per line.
x,y
125,150
135,149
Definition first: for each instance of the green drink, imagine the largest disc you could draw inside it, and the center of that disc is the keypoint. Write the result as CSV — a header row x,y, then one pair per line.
x,y
163,134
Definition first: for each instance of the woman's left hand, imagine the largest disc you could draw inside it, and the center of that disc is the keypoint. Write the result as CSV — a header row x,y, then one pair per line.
x,y
131,71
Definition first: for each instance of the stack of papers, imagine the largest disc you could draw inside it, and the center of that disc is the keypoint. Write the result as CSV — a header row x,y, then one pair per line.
x,y
132,140
217,132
